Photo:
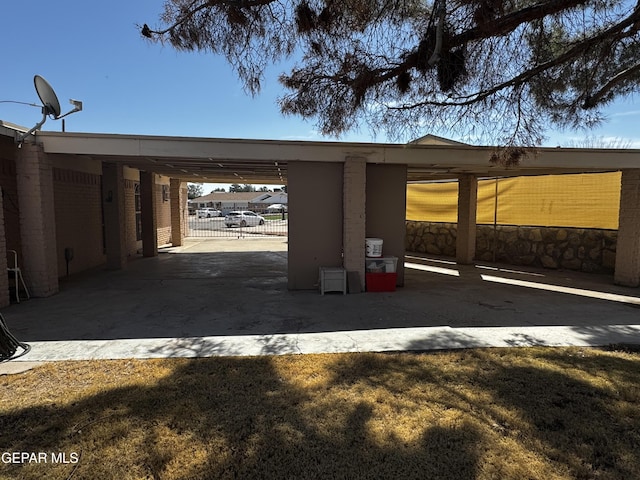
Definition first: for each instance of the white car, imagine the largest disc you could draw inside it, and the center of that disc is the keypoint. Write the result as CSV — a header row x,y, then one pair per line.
x,y
276,207
243,218
209,212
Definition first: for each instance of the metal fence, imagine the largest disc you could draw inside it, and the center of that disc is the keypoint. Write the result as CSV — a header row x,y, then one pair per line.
x,y
220,226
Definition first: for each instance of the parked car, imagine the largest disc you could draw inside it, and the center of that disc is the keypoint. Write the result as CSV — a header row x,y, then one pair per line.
x,y
209,212
276,207
243,218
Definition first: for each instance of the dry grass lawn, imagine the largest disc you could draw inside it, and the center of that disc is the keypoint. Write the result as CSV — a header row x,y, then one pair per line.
x,y
528,413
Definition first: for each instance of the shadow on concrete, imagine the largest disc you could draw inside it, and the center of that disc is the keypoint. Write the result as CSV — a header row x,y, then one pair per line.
x,y
195,293
193,347
213,347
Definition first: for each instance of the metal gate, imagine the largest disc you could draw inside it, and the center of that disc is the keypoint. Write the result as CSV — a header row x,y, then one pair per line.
x,y
214,223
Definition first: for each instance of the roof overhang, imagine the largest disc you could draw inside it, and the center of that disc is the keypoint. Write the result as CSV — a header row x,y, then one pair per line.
x,y
215,160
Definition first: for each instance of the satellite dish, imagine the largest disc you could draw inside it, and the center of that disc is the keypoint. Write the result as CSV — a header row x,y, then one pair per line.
x,y
50,106
47,96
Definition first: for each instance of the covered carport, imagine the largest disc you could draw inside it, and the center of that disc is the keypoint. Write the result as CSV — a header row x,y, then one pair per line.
x,y
339,193
190,301
362,188
190,291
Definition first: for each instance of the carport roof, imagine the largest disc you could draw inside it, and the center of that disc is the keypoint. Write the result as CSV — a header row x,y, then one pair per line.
x,y
214,160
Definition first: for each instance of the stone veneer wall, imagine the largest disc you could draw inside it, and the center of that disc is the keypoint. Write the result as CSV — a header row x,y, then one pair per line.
x,y
588,250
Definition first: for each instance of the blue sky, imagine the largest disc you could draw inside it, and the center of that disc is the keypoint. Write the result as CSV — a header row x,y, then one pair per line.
x,y
93,52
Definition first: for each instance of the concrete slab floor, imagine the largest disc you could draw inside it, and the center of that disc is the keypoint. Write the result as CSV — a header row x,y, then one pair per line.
x,y
229,297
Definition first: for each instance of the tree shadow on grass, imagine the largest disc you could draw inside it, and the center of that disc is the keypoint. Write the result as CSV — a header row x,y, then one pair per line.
x,y
574,415
462,415
582,411
230,418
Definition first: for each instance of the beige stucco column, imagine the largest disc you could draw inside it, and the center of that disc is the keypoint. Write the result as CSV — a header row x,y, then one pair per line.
x,y
148,213
387,209
113,202
178,206
315,221
34,175
627,271
467,204
354,200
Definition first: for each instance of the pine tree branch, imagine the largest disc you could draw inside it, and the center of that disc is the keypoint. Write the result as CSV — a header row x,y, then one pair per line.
x,y
596,98
195,8
508,23
498,27
575,51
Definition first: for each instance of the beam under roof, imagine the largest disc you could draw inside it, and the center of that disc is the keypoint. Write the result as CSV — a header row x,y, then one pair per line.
x,y
265,161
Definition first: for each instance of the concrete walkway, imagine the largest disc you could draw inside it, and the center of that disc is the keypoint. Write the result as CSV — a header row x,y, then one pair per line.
x,y
229,297
394,339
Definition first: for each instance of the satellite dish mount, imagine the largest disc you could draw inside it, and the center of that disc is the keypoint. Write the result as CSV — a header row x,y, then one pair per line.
x,y
50,106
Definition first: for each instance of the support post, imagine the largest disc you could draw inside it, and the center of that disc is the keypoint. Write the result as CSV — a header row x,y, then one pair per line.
x,y
354,190
178,204
34,178
149,223
113,201
467,204
627,272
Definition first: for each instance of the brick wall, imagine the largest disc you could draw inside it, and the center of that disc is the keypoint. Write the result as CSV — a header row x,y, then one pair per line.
x,y
9,186
163,214
134,246
184,210
4,280
9,214
34,178
179,212
78,212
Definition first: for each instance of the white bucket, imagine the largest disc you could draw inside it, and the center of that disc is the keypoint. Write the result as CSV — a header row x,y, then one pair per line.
x,y
373,247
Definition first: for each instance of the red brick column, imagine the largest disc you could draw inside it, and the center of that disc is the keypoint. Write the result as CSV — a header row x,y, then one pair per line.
x,y
627,271
34,175
4,279
354,216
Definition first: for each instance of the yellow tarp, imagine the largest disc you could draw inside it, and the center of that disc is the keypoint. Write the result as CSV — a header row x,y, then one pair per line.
x,y
580,201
